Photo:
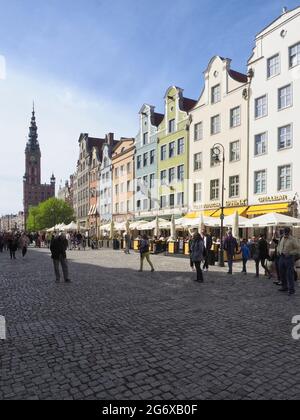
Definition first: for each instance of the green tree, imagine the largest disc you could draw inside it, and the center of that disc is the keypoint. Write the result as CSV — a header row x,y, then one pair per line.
x,y
48,214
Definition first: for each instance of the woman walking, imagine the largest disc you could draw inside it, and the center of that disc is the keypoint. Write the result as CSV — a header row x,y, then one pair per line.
x,y
24,242
145,253
198,255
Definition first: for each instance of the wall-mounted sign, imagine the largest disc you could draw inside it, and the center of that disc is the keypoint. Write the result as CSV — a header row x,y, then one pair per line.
x,y
237,203
274,198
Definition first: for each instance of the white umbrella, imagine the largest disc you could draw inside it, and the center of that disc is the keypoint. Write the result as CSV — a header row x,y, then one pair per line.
x,y
273,220
173,229
156,229
231,221
112,227
235,227
137,225
71,227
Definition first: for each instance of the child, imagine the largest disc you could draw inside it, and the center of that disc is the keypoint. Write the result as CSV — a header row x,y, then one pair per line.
x,y
246,254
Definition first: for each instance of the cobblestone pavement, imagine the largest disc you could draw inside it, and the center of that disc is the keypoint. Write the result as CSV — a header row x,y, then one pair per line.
x,y
115,333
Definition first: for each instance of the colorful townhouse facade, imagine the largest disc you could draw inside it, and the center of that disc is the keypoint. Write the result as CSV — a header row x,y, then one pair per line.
x,y
146,199
274,171
106,180
173,153
94,215
123,171
220,118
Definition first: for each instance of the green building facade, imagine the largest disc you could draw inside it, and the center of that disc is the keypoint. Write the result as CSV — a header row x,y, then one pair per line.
x,y
173,153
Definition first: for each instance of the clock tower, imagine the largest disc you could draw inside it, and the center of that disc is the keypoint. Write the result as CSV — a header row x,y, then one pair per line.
x,y
33,155
33,191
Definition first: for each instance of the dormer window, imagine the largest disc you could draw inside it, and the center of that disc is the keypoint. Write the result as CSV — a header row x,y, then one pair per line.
x,y
216,94
172,126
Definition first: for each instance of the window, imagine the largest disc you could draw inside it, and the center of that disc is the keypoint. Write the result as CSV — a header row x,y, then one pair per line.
x,y
145,139
198,134
122,170
122,207
163,153
180,199
152,157
138,205
171,175
163,177
128,207
152,181
294,53
235,151
145,160
172,126
197,161
117,208
122,188
128,186
145,180
260,182
180,173
260,144
128,168
235,117
215,124
172,149
234,186
273,65
285,97
216,94
285,137
285,178
197,193
139,181
163,202
180,146
261,107
172,200
117,173
139,162
117,190
215,189
145,204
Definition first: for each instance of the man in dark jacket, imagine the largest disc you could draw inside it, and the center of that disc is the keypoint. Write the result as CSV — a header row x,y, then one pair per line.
x,y
261,255
231,247
207,240
58,247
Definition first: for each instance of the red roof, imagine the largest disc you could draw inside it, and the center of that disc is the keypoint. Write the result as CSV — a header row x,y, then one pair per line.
x,y
239,77
157,119
188,104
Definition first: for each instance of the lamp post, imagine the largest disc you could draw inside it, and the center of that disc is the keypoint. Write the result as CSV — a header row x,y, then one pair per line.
x,y
219,157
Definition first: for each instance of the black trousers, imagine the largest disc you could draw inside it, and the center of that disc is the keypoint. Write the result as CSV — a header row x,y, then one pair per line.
x,y
12,254
191,262
206,261
264,266
199,272
245,265
24,251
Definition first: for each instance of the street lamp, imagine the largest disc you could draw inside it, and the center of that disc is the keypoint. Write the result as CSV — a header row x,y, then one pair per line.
x,y
219,157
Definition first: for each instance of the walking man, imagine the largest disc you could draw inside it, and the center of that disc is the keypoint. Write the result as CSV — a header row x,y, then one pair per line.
x,y
127,240
288,250
198,255
261,255
207,241
58,248
145,253
231,247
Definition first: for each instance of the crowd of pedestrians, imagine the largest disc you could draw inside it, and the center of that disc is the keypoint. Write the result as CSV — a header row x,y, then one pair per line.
x,y
285,254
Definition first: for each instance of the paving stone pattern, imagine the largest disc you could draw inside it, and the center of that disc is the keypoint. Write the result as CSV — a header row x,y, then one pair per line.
x,y
115,333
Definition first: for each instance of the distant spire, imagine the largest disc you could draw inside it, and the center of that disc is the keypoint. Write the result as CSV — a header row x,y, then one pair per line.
x,y
33,143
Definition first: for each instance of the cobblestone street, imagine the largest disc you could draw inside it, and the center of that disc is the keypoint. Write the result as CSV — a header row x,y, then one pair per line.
x,y
114,333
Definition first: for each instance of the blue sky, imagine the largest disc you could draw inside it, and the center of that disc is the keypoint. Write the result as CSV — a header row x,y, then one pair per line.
x,y
90,65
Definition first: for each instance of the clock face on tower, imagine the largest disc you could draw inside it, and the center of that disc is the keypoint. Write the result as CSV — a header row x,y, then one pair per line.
x,y
32,159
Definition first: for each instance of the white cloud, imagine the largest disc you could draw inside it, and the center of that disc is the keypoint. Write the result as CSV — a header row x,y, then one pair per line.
x,y
62,113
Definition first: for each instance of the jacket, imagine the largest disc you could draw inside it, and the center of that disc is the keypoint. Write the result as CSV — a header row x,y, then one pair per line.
x,y
231,246
198,250
289,247
58,248
246,254
261,250
144,246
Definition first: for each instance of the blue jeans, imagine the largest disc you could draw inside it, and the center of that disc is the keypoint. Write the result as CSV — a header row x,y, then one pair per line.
x,y
287,275
230,263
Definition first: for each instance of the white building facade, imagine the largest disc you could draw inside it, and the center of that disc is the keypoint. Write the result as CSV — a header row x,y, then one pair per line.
x,y
274,117
220,117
